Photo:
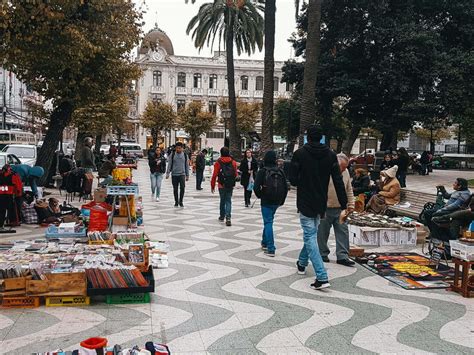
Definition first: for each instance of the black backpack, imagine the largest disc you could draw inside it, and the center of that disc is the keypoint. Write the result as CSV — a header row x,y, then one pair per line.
x,y
274,186
226,174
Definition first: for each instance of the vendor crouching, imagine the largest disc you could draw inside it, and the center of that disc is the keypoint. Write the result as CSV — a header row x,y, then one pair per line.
x,y
388,192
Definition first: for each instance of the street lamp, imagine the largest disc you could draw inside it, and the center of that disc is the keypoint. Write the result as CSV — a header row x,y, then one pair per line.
x,y
225,114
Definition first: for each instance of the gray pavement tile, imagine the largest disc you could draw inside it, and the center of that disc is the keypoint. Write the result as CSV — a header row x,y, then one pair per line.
x,y
235,340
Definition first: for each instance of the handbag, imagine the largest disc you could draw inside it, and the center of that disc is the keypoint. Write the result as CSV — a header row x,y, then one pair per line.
x,y
251,184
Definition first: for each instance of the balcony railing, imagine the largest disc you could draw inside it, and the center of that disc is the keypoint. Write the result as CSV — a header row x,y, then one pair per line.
x,y
258,94
213,92
225,92
157,90
244,93
197,91
181,90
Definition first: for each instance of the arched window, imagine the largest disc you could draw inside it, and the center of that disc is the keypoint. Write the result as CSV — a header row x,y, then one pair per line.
x,y
213,81
259,83
245,82
289,87
276,83
156,78
181,80
197,83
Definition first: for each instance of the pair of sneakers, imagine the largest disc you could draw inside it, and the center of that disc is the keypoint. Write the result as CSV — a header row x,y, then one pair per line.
x,y
317,285
228,222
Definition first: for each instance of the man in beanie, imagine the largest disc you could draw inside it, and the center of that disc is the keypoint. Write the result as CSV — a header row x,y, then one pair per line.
x,y
271,188
310,169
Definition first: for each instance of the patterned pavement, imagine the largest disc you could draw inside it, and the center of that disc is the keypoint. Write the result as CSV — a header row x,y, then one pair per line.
x,y
222,295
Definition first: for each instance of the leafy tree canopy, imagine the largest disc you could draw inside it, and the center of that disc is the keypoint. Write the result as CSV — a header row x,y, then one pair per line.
x,y
195,122
248,114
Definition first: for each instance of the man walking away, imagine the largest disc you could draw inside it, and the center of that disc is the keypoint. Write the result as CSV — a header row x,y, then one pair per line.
x,y
311,167
225,172
200,166
270,186
332,218
87,157
178,167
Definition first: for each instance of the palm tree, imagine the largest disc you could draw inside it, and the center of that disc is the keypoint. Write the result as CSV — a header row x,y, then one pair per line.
x,y
233,22
311,65
269,70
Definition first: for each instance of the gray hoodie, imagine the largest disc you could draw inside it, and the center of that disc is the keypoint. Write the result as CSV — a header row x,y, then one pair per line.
x,y
177,164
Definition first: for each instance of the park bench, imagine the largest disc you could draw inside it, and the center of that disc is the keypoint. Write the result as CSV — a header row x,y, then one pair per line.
x,y
416,199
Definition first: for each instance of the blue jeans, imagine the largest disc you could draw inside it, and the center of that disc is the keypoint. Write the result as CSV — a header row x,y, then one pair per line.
x,y
268,214
340,230
107,180
226,202
310,249
156,179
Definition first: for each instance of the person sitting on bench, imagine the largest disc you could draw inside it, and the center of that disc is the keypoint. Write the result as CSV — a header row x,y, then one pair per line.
x,y
457,200
388,194
360,182
453,222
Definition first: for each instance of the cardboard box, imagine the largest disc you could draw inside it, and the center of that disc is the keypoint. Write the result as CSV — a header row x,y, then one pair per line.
x,y
100,195
120,221
363,235
460,250
408,236
389,236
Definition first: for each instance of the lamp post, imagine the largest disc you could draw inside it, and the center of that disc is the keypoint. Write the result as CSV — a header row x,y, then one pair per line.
x,y
225,114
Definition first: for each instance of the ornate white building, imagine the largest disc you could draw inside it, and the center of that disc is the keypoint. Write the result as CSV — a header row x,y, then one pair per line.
x,y
179,80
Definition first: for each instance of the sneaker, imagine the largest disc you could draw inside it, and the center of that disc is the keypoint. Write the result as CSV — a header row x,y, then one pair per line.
x,y
325,259
176,204
228,223
263,247
181,205
346,262
301,269
246,205
319,285
157,199
269,253
221,219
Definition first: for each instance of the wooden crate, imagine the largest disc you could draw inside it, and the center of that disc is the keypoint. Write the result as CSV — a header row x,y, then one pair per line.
x,y
14,287
61,284
21,302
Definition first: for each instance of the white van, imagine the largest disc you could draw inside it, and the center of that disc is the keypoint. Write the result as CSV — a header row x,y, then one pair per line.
x,y
133,149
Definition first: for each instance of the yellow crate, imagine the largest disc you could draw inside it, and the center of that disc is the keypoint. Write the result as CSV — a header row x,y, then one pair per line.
x,y
67,301
121,173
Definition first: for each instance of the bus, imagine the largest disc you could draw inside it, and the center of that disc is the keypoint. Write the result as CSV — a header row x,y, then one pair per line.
x,y
16,137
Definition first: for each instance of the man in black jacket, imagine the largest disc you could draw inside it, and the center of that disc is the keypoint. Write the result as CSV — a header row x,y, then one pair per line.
x,y
200,166
311,167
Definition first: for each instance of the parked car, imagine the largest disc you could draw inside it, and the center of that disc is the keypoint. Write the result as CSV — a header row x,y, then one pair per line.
x,y
134,149
6,158
25,152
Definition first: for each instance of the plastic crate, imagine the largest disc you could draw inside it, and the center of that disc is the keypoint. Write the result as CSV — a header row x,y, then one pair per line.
x,y
128,298
67,301
125,290
122,190
21,302
52,232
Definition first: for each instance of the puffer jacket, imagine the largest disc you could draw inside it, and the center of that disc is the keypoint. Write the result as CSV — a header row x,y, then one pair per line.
x,y
391,191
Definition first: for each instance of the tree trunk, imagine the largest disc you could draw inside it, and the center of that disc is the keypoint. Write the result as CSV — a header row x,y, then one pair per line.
x,y
311,67
154,137
193,143
349,142
234,137
389,139
269,69
60,118
79,144
98,144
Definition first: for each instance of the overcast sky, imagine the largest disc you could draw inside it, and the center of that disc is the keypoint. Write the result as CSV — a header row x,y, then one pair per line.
x,y
173,17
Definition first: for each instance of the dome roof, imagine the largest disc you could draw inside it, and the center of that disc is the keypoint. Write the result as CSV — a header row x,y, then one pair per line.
x,y
156,38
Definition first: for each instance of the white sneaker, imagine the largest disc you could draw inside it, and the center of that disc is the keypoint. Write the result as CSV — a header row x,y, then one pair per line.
x,y
157,199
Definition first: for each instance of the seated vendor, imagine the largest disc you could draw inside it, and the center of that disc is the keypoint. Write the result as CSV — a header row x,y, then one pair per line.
x,y
360,182
388,194
457,201
455,221
106,169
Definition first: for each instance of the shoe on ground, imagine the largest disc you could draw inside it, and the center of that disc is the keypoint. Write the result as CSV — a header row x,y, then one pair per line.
x,y
221,219
346,262
176,204
199,189
181,205
325,259
157,199
269,253
263,247
319,285
247,205
301,269
228,223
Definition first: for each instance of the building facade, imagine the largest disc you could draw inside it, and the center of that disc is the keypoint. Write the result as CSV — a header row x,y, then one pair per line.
x,y
179,80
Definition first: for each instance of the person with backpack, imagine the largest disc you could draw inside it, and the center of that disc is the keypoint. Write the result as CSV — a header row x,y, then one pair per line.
x,y
178,167
271,188
310,169
200,166
248,172
225,172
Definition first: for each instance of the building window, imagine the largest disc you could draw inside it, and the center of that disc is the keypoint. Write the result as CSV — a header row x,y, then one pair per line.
x,y
215,135
180,104
213,81
155,97
276,83
156,78
259,83
181,80
213,107
245,82
289,87
197,81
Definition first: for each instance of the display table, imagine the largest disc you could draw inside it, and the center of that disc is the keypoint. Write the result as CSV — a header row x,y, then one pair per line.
x,y
461,277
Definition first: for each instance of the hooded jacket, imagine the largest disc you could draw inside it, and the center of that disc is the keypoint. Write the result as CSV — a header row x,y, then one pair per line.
x,y
270,162
391,186
217,168
310,169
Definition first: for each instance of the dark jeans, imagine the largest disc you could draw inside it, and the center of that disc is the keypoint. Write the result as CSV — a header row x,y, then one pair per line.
x,y
199,178
268,215
436,231
247,196
452,223
178,181
226,202
8,205
402,178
